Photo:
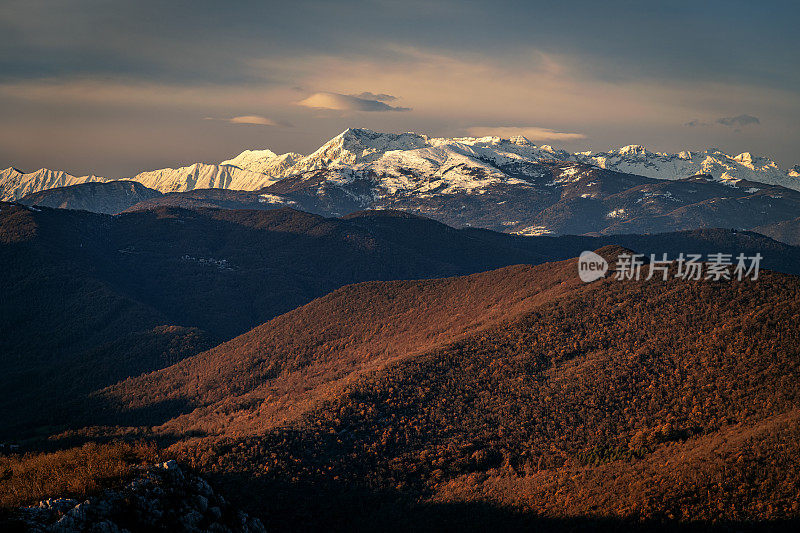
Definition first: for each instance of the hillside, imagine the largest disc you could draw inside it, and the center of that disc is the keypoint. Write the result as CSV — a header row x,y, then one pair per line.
x,y
110,198
787,231
354,329
63,330
520,389
91,299
490,393
213,199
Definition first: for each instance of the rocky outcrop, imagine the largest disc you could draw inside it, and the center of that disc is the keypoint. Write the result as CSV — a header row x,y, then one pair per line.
x,y
163,498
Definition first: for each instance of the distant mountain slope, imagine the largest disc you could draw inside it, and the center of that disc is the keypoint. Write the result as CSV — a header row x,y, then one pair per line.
x,y
214,198
111,197
566,198
787,231
553,198
519,387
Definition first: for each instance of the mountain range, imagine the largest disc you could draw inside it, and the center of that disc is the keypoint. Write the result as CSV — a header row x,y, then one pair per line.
x,y
507,185
396,157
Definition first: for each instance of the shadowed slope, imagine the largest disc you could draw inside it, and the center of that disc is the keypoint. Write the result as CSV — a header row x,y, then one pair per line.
x,y
111,197
309,354
787,231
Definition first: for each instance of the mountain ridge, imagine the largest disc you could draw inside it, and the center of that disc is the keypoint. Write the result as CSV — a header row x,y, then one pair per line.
x,y
357,147
109,197
508,185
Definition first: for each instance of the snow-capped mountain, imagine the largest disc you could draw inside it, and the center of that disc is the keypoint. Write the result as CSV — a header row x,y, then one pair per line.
x,y
635,159
510,185
409,161
15,184
392,156
264,162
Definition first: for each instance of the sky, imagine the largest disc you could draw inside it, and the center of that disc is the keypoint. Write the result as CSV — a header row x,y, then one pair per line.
x,y
114,88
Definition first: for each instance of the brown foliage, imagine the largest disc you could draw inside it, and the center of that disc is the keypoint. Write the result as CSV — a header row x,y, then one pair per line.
x,y
518,387
72,473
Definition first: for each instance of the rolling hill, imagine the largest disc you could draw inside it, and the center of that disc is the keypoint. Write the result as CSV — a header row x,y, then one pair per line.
x,y
521,389
91,299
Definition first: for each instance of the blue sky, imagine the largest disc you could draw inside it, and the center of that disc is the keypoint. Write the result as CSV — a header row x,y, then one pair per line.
x,y
119,87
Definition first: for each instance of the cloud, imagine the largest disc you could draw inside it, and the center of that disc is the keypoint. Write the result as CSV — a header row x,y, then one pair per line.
x,y
253,119
348,102
533,133
738,121
449,92
256,120
372,96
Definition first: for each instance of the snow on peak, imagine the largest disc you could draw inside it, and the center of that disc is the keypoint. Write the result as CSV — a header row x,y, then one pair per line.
x,y
414,162
633,149
520,140
635,159
251,155
264,162
356,146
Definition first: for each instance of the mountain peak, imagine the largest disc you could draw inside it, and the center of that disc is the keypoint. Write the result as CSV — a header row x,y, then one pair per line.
x,y
360,145
633,149
264,161
520,140
264,155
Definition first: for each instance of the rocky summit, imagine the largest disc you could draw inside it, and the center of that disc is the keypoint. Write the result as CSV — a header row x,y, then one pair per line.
x,y
163,497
